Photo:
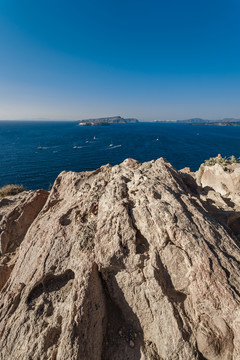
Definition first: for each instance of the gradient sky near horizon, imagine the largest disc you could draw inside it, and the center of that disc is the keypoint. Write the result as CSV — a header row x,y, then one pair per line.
x,y
147,59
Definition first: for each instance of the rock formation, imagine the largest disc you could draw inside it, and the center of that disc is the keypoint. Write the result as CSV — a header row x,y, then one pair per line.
x,y
224,180
124,262
220,186
16,215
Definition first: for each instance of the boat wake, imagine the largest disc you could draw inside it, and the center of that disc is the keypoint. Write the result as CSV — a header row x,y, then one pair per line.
x,y
113,147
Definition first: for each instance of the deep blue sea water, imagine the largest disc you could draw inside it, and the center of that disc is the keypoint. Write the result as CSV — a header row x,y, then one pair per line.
x,y
34,153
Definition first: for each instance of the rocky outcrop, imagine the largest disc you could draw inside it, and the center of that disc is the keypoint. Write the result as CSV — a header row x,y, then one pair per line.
x,y
17,213
220,187
123,262
223,179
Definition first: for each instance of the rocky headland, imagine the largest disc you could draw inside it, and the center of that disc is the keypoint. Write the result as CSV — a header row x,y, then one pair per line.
x,y
199,121
135,261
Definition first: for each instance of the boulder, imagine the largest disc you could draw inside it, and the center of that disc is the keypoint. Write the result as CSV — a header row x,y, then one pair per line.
x,y
221,186
223,179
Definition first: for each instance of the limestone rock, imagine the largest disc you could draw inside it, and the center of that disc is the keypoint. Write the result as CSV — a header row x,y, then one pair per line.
x,y
17,213
224,180
123,263
221,188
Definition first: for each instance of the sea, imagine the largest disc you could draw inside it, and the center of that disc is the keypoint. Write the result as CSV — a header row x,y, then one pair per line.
x,y
33,153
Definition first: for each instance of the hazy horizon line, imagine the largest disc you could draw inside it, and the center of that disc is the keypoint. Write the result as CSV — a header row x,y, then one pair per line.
x,y
140,120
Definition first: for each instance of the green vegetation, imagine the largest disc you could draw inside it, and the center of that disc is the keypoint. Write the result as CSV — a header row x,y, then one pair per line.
x,y
11,189
221,160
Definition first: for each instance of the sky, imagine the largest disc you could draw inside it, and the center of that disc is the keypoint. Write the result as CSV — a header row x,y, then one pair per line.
x,y
149,59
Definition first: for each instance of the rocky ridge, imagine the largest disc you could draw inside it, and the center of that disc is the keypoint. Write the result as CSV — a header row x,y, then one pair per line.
x,y
125,262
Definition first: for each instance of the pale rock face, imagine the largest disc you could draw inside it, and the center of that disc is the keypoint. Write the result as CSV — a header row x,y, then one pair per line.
x,y
222,188
123,263
224,180
17,213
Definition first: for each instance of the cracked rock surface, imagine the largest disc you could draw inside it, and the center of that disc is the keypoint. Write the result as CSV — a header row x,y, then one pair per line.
x,y
17,213
123,263
220,189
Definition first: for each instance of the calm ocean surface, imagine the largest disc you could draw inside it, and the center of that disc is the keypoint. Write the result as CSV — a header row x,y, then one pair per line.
x,y
34,153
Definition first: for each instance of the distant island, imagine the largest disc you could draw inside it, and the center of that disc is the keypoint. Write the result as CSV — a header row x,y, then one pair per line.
x,y
105,121
199,121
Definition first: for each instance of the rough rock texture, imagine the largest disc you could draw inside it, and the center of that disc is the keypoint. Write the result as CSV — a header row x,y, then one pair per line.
x,y
220,186
123,263
17,213
224,180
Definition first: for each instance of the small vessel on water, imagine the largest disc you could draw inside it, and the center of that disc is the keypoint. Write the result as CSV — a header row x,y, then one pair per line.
x,y
110,147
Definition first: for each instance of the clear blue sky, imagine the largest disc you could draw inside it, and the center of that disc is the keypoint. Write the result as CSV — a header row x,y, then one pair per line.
x,y
150,59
